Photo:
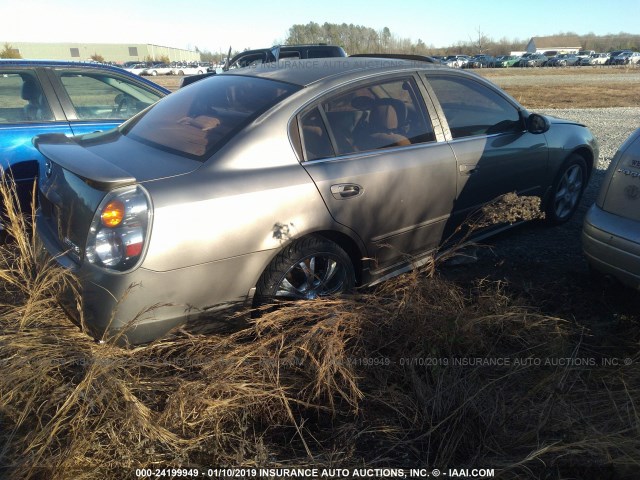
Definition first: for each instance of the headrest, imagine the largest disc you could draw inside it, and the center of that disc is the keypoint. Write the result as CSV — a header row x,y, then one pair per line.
x,y
384,116
362,103
30,90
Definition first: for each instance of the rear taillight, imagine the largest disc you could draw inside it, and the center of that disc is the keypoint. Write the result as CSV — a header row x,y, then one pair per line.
x,y
120,229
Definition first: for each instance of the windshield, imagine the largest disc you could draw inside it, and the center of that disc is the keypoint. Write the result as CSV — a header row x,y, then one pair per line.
x,y
196,121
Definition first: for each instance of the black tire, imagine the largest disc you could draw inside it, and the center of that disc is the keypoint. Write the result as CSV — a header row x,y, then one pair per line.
x,y
307,268
566,191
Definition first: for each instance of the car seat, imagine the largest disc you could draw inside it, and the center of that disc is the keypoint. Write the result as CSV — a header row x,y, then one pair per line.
x,y
33,95
384,126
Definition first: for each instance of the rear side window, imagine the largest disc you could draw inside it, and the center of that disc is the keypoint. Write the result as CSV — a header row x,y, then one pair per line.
x,y
474,109
198,120
22,99
317,143
380,115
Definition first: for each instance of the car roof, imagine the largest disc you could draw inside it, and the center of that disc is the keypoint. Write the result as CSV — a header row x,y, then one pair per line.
x,y
5,62
306,72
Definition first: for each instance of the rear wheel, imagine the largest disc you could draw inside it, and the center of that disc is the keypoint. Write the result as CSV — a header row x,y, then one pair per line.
x,y
308,268
567,190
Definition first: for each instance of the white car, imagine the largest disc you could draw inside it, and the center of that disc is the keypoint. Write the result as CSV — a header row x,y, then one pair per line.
x,y
136,69
457,61
191,69
157,69
599,59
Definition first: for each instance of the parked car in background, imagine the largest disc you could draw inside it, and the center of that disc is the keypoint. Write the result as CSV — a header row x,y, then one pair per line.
x,y
290,183
613,55
188,69
611,231
533,60
626,58
136,68
157,69
563,60
585,53
457,61
506,61
584,61
481,61
71,98
600,59
281,52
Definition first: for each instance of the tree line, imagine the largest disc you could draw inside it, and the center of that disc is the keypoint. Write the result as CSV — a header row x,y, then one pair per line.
x,y
359,39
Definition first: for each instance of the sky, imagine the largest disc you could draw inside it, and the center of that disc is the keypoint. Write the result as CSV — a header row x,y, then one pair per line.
x,y
241,24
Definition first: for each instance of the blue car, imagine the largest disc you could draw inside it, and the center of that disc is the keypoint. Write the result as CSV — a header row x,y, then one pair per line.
x,y
73,98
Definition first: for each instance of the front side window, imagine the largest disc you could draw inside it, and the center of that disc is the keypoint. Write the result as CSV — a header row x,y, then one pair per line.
x,y
474,109
22,98
198,120
99,96
381,115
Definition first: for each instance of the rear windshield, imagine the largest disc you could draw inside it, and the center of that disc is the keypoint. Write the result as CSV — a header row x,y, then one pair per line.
x,y
197,120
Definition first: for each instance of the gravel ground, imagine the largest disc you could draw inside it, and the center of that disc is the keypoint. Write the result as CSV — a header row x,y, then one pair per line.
x,y
546,265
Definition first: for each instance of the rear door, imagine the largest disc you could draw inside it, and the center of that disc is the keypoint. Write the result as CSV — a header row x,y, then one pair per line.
x,y
381,167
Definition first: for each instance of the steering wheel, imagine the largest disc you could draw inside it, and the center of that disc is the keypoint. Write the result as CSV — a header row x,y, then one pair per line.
x,y
124,103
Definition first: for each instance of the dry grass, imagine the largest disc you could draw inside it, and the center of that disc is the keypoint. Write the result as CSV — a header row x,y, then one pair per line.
x,y
383,378
550,95
573,87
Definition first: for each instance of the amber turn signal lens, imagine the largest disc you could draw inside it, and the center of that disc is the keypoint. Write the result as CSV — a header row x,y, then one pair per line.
x,y
112,214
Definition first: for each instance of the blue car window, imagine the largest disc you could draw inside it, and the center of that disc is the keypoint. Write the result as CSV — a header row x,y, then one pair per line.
x,y
22,99
97,96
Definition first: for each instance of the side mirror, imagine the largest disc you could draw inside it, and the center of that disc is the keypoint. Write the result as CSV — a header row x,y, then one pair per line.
x,y
537,123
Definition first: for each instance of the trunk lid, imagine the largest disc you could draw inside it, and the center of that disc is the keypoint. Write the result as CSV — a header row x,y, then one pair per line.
x,y
79,171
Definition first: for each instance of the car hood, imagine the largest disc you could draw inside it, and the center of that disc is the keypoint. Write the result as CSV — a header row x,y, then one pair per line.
x,y
563,121
111,159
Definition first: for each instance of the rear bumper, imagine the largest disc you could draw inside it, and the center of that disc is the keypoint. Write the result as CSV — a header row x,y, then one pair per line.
x,y
612,245
143,305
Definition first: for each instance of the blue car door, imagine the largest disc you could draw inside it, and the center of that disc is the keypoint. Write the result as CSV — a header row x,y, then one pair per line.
x,y
28,108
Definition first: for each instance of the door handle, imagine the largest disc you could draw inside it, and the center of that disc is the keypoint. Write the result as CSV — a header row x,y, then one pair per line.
x,y
346,190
